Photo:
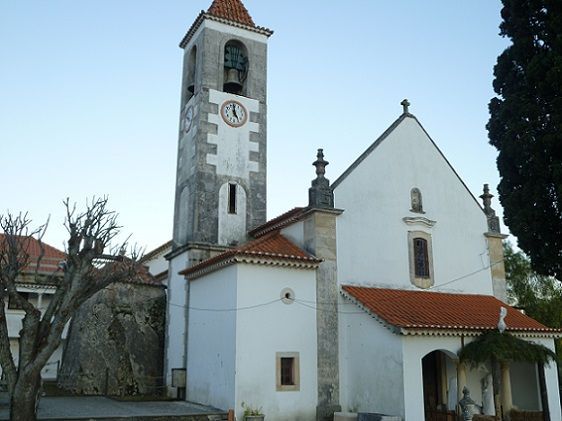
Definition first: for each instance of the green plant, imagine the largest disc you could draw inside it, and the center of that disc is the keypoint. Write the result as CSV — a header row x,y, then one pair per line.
x,y
250,411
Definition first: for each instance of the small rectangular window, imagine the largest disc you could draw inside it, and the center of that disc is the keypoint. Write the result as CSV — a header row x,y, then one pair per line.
x,y
421,258
288,375
287,371
232,198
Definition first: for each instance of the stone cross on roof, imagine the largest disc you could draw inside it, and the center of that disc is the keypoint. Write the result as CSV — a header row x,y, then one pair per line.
x,y
405,104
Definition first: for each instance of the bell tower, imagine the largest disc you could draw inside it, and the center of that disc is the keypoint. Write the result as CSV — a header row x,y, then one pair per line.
x,y
221,165
221,168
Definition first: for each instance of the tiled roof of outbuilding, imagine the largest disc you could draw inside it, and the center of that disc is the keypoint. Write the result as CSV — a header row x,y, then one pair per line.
x,y
51,257
427,310
273,247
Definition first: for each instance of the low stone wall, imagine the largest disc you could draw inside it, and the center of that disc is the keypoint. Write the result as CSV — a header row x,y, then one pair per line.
x,y
116,342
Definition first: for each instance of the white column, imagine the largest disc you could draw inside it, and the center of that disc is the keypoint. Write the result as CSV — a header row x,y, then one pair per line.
x,y
553,393
507,400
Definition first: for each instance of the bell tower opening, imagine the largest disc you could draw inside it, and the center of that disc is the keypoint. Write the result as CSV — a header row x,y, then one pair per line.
x,y
191,69
236,65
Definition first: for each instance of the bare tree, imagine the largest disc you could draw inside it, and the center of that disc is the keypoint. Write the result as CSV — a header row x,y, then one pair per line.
x,y
90,266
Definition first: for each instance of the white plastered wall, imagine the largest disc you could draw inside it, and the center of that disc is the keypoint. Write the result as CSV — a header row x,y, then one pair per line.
x,y
271,328
370,364
212,339
175,318
372,235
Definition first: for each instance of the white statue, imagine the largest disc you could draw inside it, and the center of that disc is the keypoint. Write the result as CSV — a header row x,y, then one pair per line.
x,y
501,322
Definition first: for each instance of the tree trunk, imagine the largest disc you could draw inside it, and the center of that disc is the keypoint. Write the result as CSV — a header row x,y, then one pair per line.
x,y
23,405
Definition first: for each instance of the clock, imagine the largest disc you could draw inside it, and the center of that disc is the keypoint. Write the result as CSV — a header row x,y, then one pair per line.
x,y
234,114
187,119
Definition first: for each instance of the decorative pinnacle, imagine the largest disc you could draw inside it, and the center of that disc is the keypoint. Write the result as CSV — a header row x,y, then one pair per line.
x,y
405,104
493,220
487,199
320,164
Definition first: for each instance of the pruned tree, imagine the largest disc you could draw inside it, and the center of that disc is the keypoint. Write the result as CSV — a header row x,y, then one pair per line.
x,y
90,265
526,127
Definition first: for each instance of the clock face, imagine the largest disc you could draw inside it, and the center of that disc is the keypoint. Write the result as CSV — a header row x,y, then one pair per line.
x,y
187,119
234,113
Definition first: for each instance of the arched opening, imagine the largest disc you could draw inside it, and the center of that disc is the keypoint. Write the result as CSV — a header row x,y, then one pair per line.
x,y
191,69
421,258
236,66
439,386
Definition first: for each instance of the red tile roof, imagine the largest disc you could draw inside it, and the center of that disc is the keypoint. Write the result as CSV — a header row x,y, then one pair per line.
x,y
51,258
439,311
278,222
232,10
272,247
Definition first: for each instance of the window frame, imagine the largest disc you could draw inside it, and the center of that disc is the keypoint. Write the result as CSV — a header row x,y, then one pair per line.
x,y
280,386
421,281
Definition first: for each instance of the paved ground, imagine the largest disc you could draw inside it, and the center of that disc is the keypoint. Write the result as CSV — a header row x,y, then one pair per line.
x,y
101,407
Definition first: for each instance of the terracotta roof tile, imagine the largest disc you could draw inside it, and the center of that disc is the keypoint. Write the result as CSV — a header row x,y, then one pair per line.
x,y
278,222
435,310
232,10
51,258
272,246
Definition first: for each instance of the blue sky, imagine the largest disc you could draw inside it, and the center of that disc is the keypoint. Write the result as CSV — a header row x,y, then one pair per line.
x,y
89,96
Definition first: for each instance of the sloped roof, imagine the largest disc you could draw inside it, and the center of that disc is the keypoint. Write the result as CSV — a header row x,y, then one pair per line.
x,y
166,247
271,249
51,257
425,310
232,12
278,222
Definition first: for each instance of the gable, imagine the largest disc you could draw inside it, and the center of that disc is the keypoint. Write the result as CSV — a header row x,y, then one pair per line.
x,y
388,134
379,220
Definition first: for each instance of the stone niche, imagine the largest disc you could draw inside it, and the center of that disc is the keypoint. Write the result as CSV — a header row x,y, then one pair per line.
x,y
115,343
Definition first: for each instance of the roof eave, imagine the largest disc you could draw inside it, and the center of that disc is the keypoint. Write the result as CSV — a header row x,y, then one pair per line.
x,y
204,15
254,259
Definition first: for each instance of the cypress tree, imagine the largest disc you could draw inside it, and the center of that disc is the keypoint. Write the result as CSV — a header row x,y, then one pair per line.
x,y
526,127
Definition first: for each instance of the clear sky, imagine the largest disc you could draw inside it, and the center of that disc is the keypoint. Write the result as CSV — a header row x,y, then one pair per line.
x,y
89,96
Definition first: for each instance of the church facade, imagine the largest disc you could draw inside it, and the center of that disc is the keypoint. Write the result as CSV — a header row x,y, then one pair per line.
x,y
358,302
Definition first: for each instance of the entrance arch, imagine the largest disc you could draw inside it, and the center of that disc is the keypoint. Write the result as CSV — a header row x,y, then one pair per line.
x,y
439,385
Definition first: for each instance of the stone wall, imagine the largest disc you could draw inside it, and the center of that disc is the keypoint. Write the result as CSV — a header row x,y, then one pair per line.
x,y
115,343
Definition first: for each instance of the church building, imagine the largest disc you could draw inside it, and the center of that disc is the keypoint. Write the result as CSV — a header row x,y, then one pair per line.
x,y
357,302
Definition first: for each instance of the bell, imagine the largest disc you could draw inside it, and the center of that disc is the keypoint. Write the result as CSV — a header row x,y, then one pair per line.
x,y
191,88
232,84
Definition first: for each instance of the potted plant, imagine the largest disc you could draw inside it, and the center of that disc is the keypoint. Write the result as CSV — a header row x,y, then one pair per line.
x,y
252,413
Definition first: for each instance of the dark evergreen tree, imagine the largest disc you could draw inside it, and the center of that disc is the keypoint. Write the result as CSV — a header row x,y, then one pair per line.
x,y
526,127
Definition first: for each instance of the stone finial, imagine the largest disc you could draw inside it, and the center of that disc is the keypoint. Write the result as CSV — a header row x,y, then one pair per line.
x,y
320,163
405,105
493,220
468,406
320,194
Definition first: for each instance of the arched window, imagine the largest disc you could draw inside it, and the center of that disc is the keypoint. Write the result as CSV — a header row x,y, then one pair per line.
x,y
421,258
235,67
